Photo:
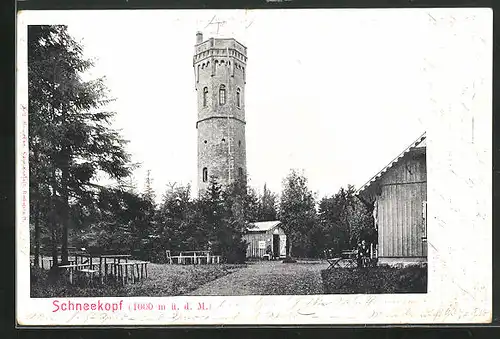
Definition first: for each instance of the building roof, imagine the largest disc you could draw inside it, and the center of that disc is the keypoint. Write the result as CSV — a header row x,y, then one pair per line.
x,y
420,143
263,226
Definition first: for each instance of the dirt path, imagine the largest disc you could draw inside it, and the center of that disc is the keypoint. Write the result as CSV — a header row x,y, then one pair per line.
x,y
266,278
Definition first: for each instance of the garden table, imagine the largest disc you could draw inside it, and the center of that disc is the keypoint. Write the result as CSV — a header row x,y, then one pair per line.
x,y
117,258
195,257
141,267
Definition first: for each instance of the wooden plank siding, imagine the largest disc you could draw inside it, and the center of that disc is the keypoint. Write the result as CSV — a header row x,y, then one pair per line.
x,y
400,221
253,250
253,237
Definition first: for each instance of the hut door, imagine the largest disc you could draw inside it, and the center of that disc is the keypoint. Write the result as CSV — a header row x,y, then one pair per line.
x,y
283,245
276,245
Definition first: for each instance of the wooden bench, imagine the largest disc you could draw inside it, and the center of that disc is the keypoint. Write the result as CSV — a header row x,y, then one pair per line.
x,y
73,269
172,258
41,261
215,259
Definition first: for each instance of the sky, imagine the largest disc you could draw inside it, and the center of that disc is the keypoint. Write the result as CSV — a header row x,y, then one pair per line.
x,y
336,94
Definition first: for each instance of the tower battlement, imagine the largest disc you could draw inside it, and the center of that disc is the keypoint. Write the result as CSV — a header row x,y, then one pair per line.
x,y
220,86
221,43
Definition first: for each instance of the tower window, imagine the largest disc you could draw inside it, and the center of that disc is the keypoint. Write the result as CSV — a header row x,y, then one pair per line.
x,y
205,174
239,143
205,141
238,98
223,140
205,94
240,172
222,95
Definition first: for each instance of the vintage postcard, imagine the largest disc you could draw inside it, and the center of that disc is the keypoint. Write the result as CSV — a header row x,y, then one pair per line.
x,y
276,167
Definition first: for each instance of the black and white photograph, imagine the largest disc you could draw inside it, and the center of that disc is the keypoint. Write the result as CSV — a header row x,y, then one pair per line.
x,y
235,153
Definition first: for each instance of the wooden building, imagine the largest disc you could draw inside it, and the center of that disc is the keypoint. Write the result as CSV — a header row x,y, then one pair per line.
x,y
398,194
263,237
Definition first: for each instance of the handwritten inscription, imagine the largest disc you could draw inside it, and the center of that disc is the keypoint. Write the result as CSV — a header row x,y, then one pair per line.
x,y
306,310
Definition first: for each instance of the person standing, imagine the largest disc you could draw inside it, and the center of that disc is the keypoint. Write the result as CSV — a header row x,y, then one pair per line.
x,y
363,253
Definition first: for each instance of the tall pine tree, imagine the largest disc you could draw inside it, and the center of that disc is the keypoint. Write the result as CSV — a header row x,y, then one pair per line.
x,y
267,206
71,139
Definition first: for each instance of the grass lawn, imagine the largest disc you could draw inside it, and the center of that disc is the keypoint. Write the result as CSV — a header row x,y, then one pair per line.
x,y
375,280
163,280
268,278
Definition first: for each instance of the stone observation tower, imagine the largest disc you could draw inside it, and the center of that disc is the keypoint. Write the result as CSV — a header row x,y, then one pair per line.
x,y
219,66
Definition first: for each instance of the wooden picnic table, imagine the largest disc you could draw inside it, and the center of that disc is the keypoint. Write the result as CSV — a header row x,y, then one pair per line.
x,y
117,258
76,255
194,257
198,257
86,258
141,267
88,264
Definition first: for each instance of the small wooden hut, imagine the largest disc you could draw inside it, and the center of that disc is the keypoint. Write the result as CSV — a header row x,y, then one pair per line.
x,y
398,194
266,237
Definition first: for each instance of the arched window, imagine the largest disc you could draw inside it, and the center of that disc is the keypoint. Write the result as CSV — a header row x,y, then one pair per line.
x,y
205,95
222,95
238,98
240,172
205,174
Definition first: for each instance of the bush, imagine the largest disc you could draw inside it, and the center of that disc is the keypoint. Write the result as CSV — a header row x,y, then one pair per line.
x,y
376,280
236,252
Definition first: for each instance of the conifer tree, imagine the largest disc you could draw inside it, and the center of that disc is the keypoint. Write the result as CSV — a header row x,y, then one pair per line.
x,y
71,141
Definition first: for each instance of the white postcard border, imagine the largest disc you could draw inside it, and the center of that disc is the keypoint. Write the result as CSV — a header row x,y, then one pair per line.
x,y
459,200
